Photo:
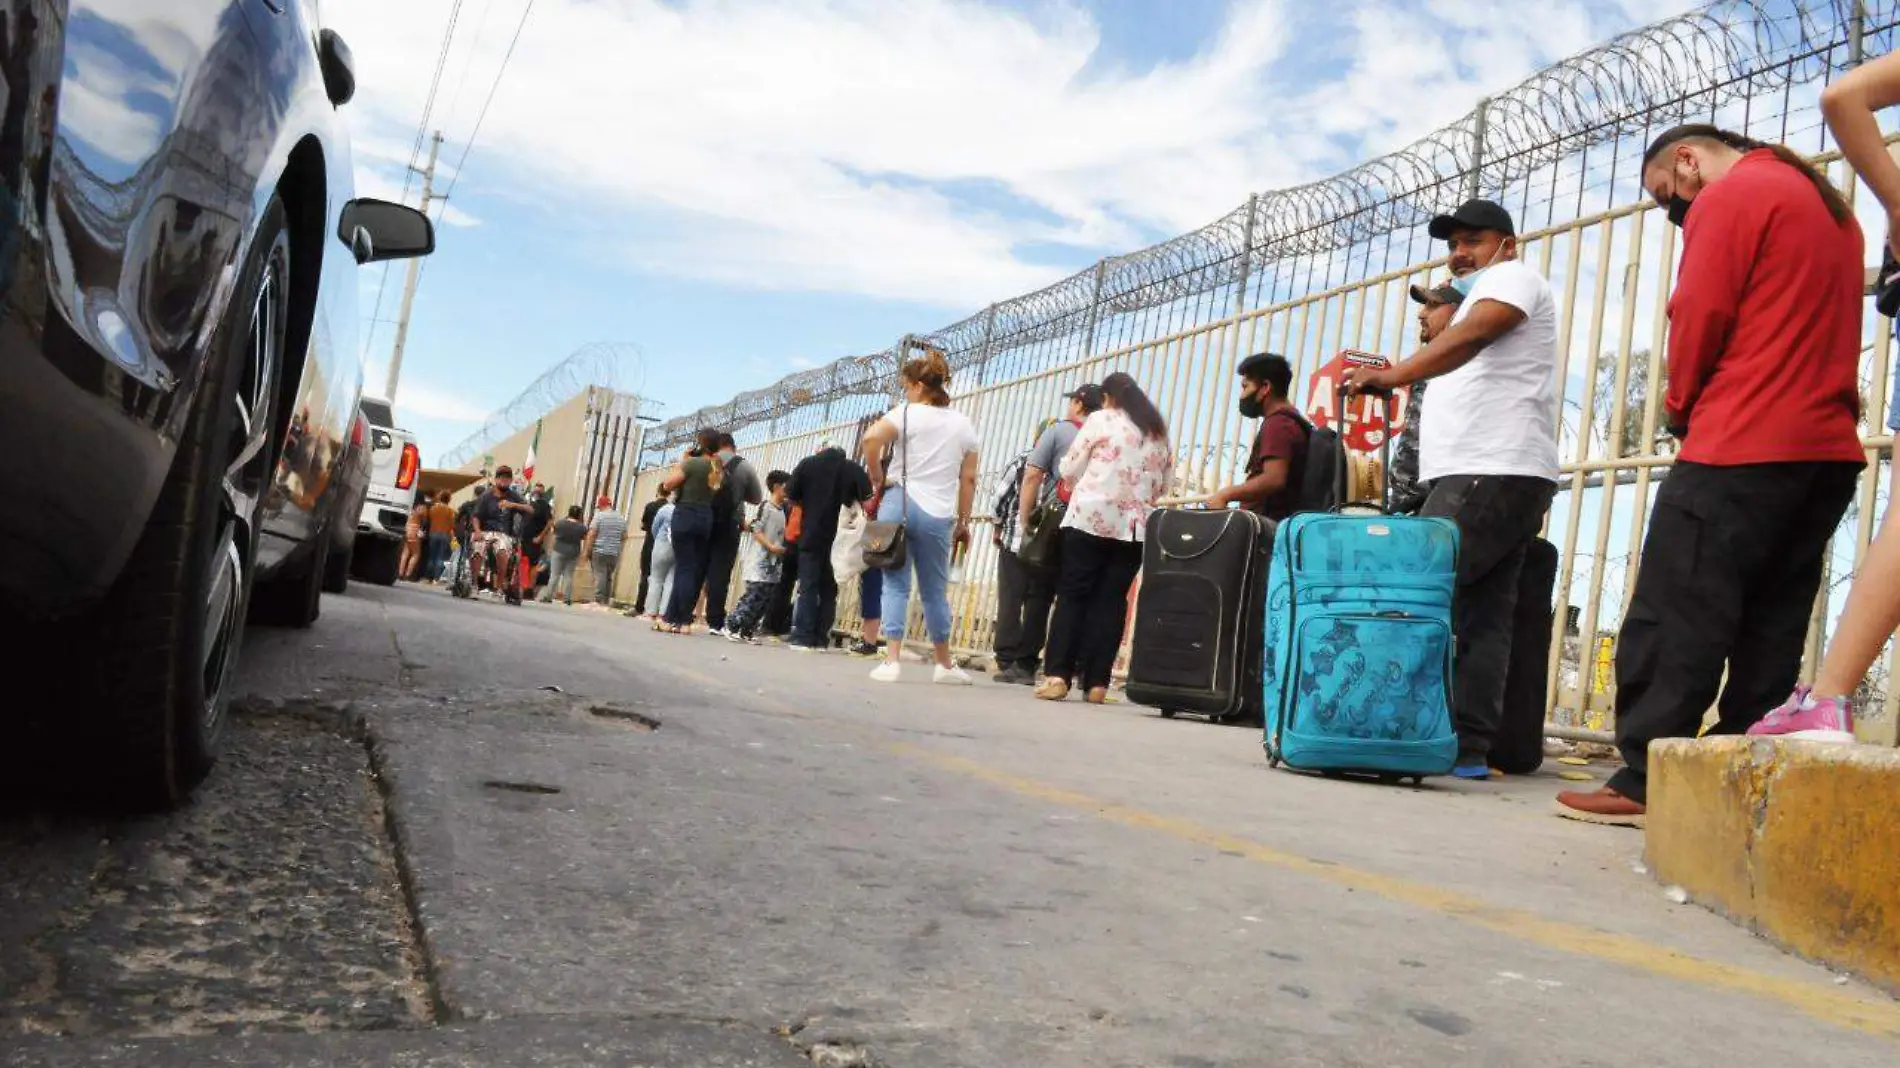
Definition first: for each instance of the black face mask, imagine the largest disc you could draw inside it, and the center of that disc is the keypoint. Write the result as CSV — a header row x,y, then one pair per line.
x,y
1678,208
1251,407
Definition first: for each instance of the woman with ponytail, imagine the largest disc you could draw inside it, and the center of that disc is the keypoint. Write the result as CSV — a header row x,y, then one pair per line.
x,y
1764,393
1117,468
929,485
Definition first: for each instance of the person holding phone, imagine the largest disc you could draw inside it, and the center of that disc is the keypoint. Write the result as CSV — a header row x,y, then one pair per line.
x,y
1488,446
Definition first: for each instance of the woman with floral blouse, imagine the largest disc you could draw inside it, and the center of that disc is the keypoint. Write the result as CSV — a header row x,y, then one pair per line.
x,y
1117,468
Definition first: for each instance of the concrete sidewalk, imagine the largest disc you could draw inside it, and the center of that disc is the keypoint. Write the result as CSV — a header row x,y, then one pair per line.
x,y
1243,897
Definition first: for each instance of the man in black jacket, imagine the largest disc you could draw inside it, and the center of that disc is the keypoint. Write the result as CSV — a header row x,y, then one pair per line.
x,y
821,484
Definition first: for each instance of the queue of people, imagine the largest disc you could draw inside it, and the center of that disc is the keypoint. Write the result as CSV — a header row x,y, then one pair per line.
x,y
1762,394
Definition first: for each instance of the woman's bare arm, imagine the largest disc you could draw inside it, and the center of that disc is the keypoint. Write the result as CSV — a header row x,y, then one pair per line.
x,y
1850,105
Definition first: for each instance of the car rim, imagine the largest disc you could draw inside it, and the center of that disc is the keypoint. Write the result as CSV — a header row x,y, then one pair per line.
x,y
242,483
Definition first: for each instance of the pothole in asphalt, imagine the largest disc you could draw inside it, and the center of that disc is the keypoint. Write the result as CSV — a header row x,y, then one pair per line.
x,y
639,721
521,787
828,1050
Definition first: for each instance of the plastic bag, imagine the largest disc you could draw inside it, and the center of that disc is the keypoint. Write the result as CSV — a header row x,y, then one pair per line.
x,y
847,552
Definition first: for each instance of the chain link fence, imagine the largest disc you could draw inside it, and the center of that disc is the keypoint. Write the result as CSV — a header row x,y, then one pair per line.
x,y
1310,270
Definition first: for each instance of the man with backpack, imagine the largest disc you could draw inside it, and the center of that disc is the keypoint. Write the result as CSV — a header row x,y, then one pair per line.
x,y
740,492
1025,592
1276,466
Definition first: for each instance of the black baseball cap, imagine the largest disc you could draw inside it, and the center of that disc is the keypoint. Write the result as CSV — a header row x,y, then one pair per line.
x,y
1090,395
504,471
1443,293
1473,215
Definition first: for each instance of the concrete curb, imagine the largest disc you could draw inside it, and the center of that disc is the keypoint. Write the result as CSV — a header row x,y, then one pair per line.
x,y
1793,840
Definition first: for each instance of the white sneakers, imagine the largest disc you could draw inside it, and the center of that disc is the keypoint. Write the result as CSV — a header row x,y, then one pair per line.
x,y
888,671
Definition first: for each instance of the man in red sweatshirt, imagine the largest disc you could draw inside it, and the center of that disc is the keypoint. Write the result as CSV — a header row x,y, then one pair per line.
x,y
1764,345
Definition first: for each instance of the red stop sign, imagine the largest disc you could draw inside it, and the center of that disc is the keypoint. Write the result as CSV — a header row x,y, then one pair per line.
x,y
1367,427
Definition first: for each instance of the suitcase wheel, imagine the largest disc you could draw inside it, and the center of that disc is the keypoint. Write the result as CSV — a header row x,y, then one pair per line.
x,y
1167,713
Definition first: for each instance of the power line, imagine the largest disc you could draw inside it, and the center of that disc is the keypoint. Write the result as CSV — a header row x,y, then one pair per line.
x,y
483,114
480,117
415,153
455,101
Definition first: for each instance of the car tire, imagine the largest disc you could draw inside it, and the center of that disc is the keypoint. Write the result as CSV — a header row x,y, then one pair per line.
x,y
336,569
378,560
294,598
168,633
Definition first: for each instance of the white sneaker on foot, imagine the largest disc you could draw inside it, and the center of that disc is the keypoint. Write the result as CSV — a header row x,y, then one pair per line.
x,y
886,672
949,676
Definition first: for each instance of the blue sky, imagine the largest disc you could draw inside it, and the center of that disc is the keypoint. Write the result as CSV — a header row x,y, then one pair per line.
x,y
744,189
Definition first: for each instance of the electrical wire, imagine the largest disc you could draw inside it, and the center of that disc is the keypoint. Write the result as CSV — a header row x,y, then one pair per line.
x,y
415,153
482,115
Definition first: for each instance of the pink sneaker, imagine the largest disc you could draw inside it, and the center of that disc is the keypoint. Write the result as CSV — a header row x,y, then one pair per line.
x,y
1809,718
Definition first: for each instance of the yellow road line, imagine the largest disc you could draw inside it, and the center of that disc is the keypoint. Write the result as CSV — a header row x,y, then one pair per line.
x,y
1837,1007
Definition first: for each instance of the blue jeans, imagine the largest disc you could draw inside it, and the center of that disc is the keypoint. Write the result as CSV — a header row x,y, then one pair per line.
x,y
692,551
438,559
929,556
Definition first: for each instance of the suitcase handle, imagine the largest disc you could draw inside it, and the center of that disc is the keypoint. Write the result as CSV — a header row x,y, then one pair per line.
x,y
1384,504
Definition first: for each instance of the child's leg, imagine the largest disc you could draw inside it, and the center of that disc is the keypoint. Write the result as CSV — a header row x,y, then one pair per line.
x,y
1872,612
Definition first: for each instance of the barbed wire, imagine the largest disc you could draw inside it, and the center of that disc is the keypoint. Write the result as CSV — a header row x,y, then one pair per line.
x,y
603,363
1660,74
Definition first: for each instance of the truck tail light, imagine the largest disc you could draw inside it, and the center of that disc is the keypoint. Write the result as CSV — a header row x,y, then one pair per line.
x,y
356,432
411,464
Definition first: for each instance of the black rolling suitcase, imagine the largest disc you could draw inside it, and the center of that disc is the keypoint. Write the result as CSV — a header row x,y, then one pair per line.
x,y
1519,747
1197,643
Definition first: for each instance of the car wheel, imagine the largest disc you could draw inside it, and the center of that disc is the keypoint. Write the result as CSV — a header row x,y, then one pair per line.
x,y
378,560
336,569
294,598
168,633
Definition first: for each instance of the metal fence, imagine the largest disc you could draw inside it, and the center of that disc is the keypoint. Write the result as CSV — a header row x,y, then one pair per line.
x,y
1309,271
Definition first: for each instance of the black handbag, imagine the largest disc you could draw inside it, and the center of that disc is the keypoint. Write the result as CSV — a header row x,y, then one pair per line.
x,y
887,544
1042,538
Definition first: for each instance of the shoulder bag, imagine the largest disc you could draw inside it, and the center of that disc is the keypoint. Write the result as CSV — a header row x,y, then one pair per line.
x,y
886,545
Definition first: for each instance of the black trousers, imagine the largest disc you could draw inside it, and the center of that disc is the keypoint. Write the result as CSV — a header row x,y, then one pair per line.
x,y
725,554
778,616
1091,606
646,572
817,598
1497,517
1024,596
1730,569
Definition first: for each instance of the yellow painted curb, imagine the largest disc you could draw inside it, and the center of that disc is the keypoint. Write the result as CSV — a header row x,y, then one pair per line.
x,y
1795,840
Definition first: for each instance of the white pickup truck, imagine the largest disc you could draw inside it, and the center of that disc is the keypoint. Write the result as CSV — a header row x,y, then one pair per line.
x,y
395,466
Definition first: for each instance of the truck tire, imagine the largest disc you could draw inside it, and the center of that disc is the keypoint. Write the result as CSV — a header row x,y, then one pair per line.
x,y
294,598
378,560
167,635
336,568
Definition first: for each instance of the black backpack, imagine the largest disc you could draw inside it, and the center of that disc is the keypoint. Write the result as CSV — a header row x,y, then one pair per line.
x,y
1322,486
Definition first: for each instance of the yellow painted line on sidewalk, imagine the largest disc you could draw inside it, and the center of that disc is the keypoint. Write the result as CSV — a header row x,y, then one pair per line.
x,y
1838,1007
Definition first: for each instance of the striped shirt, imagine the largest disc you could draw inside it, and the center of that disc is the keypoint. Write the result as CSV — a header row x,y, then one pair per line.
x,y
610,531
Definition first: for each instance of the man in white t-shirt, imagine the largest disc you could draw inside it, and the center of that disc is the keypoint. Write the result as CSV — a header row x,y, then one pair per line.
x,y
1488,447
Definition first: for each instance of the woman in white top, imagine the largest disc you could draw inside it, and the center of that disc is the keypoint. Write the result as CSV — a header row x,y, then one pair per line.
x,y
1118,467
935,462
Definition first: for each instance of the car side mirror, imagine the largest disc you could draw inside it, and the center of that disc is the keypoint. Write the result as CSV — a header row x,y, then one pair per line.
x,y
338,66
378,230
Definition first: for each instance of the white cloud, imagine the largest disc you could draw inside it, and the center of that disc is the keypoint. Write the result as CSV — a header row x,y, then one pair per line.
x,y
807,144
421,400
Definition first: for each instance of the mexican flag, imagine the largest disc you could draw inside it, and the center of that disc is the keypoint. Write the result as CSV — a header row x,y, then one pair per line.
x,y
527,469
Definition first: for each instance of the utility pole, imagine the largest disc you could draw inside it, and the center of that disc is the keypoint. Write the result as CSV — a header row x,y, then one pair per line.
x,y
415,275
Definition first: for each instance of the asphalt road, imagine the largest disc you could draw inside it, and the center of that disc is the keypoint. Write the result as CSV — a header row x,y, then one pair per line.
x,y
696,853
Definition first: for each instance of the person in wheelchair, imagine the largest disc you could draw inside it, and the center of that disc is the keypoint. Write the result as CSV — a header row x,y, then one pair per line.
x,y
493,526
